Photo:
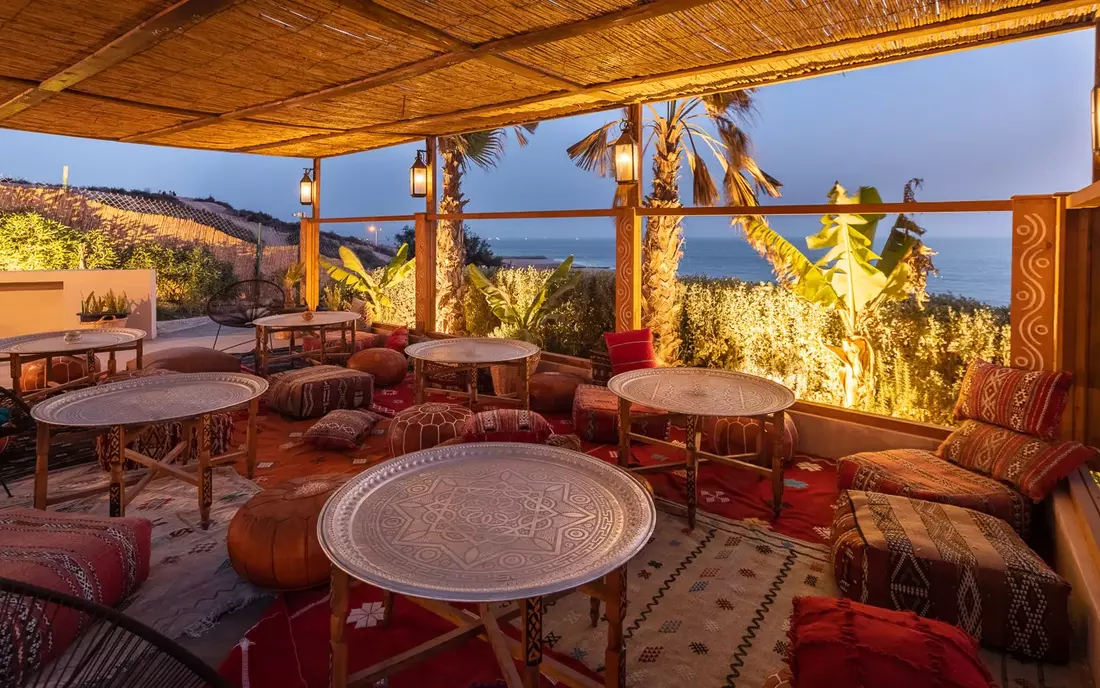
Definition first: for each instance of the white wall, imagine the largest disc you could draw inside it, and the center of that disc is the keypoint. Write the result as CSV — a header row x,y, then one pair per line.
x,y
47,300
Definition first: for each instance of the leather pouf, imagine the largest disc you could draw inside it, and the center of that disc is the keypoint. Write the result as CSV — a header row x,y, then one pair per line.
x,y
272,540
65,369
386,365
425,426
739,435
553,392
189,359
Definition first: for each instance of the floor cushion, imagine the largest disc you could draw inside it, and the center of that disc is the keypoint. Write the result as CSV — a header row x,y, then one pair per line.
x,y
630,350
837,642
189,359
426,425
957,565
740,435
313,392
155,441
552,392
596,417
921,474
1027,401
333,342
386,365
94,558
507,425
571,442
272,539
398,340
64,369
342,429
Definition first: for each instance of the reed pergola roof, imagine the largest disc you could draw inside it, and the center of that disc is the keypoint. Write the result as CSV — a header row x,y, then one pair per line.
x,y
315,78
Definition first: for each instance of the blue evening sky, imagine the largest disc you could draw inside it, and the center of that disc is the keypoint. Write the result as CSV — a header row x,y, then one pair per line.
x,y
980,124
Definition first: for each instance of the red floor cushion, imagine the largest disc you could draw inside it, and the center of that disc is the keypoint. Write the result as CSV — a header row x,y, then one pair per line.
x,y
95,558
921,474
189,359
313,392
741,435
1027,401
552,392
630,350
398,339
837,642
155,441
426,425
342,429
64,369
953,564
507,425
596,417
386,365
333,341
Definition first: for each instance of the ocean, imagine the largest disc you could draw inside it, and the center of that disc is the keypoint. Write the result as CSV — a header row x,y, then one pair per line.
x,y
975,267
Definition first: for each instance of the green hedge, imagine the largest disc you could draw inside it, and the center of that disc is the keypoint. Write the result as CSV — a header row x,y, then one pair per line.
x,y
187,275
29,241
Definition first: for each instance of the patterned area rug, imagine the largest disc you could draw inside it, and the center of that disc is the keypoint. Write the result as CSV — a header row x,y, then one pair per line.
x,y
191,584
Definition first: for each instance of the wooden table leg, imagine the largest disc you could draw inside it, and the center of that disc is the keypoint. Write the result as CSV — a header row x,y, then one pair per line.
x,y
90,361
338,647
691,437
614,675
471,387
139,349
112,363
250,437
206,473
16,367
387,608
532,641
624,433
261,359
594,610
321,331
117,435
524,384
418,381
775,449
41,465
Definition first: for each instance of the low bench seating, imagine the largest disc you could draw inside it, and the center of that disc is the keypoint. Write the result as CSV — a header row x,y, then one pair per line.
x,y
313,392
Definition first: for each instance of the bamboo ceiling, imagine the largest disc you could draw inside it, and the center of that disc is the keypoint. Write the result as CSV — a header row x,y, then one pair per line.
x,y
315,78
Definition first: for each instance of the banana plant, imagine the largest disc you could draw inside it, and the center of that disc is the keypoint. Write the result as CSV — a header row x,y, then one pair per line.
x,y
357,278
525,321
851,278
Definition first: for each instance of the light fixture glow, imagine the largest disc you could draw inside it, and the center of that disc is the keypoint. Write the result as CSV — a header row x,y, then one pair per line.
x,y
418,176
625,155
305,189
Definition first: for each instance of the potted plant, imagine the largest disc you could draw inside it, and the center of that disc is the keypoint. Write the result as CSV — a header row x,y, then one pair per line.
x,y
109,310
372,290
292,279
523,321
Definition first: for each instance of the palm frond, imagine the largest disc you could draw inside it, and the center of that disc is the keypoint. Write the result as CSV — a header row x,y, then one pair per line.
x,y
593,152
482,148
703,190
522,133
729,103
763,181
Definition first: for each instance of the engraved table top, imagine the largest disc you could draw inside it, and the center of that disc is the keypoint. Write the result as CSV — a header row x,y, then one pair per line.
x,y
296,319
485,522
471,350
702,391
54,342
150,400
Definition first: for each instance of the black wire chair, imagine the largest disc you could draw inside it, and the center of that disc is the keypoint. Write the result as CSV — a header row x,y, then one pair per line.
x,y
19,422
111,650
239,304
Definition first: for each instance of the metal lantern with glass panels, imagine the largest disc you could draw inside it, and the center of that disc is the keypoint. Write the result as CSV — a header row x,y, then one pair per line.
x,y
418,176
305,189
625,153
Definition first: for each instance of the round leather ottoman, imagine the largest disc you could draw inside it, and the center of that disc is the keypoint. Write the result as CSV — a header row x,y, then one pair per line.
x,y
386,365
425,426
553,392
65,369
739,435
272,540
189,359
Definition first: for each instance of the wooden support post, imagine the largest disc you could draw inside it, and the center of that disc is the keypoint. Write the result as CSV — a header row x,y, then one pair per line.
x,y
309,244
628,241
1095,113
425,274
1038,256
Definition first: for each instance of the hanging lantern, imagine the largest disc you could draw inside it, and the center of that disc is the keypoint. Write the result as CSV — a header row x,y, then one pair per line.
x,y
418,176
305,189
625,153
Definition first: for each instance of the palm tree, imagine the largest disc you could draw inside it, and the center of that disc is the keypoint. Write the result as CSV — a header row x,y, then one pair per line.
x,y
676,133
484,149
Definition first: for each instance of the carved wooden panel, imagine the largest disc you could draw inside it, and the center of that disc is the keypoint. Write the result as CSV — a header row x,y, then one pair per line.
x,y
628,271
1037,246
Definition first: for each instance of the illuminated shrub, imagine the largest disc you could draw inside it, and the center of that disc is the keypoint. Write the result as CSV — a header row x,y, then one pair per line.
x,y
29,241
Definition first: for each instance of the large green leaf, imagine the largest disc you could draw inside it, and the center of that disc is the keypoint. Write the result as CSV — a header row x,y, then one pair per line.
x,y
499,302
897,247
792,267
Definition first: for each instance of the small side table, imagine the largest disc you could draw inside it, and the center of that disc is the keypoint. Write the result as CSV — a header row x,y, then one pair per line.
x,y
46,345
467,355
321,322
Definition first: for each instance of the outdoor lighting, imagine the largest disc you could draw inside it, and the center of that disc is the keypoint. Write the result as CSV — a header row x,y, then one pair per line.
x,y
305,189
418,176
1096,121
625,153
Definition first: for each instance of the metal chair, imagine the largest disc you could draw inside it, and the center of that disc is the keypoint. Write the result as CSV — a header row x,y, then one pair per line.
x,y
239,304
110,649
19,421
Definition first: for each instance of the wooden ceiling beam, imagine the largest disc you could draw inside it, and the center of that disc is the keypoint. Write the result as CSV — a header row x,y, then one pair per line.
x,y
179,16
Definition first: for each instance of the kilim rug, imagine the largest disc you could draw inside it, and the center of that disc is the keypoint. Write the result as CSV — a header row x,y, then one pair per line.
x,y
191,584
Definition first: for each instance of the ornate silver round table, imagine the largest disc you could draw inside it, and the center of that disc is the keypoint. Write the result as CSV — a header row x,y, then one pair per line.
x,y
87,343
129,407
292,323
486,523
468,354
694,393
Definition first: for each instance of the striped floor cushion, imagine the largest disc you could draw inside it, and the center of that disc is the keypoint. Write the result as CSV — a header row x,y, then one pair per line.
x,y
313,392
957,565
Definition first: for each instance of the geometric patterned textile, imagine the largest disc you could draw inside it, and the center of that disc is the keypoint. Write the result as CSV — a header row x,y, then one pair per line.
x,y
425,426
507,425
740,435
596,417
342,428
837,642
333,341
313,392
98,559
953,564
157,440
1027,401
1032,464
922,475
630,350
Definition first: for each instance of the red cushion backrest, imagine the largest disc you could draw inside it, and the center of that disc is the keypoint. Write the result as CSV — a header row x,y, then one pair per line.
x,y
1027,401
630,350
398,339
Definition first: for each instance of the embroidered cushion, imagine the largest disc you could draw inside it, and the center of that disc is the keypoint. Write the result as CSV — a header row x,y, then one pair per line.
x,y
596,417
1028,401
920,474
342,429
334,342
507,425
398,339
426,425
313,392
741,435
837,642
386,365
189,359
155,441
1031,464
953,564
630,350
